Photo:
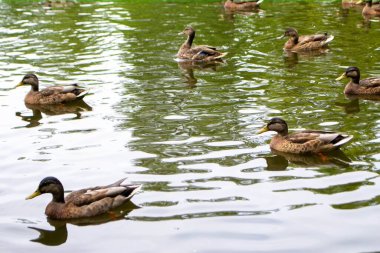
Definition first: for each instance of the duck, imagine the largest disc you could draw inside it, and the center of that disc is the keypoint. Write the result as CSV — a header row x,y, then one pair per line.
x,y
368,86
370,9
303,142
51,95
84,203
242,5
305,42
197,53
352,3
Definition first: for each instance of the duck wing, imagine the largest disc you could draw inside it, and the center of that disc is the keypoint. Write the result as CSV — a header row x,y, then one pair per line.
x,y
206,46
206,53
315,37
321,137
370,82
102,193
73,88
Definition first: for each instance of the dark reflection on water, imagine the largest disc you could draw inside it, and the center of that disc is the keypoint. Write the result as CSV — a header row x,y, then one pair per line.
x,y
281,159
59,235
189,67
291,59
76,108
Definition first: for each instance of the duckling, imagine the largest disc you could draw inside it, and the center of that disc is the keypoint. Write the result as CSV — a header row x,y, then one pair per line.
x,y
242,5
197,53
83,203
370,9
368,86
305,42
303,142
50,95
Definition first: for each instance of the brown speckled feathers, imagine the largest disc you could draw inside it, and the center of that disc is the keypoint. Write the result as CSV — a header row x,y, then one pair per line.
x,y
304,142
368,86
305,42
50,95
86,202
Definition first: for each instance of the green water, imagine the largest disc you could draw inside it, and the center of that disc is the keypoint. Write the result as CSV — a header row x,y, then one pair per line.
x,y
188,132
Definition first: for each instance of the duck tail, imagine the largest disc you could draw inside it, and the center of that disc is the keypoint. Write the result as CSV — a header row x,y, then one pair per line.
x,y
259,2
221,55
345,139
82,94
131,190
328,40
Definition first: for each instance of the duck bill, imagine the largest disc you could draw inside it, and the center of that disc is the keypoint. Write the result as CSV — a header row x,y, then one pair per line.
x,y
263,130
341,77
34,194
281,37
18,85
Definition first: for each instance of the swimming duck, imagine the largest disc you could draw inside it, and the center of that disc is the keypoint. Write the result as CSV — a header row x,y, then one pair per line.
x,y
197,53
305,42
370,9
368,86
303,142
242,5
83,203
50,95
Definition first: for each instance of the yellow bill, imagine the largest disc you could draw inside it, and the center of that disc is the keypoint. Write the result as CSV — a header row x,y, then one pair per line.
x,y
34,194
341,77
18,85
262,130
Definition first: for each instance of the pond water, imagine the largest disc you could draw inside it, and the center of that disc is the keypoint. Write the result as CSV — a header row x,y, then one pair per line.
x,y
188,133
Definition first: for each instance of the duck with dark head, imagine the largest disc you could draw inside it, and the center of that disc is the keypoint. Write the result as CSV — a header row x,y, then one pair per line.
x,y
83,203
303,142
368,86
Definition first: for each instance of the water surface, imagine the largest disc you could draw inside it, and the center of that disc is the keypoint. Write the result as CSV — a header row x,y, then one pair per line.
x,y
188,132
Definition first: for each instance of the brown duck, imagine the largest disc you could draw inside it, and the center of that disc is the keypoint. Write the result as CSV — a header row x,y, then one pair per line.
x,y
303,142
242,5
371,9
368,86
50,95
305,42
83,203
197,53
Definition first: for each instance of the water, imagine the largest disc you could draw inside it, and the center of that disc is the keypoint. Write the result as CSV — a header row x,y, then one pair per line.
x,y
188,132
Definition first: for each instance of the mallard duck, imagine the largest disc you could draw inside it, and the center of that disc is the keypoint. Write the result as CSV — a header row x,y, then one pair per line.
x,y
197,53
83,203
371,10
58,3
303,142
50,95
368,86
242,5
352,3
305,42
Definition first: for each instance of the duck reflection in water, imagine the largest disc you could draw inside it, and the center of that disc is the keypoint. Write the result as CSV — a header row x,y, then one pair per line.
x,y
280,160
76,107
59,235
353,106
291,59
188,67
